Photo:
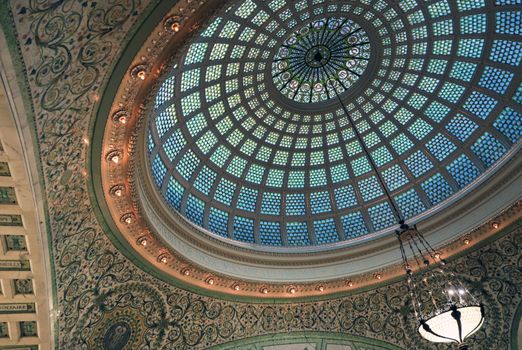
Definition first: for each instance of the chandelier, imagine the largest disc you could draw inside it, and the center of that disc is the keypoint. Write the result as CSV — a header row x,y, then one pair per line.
x,y
444,308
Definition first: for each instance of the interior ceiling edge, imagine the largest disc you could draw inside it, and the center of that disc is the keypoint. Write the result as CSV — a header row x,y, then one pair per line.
x,y
27,303
100,292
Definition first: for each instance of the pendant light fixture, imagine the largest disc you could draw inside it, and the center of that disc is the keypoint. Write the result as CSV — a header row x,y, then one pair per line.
x,y
445,309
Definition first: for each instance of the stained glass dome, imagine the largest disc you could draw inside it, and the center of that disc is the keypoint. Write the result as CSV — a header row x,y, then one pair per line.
x,y
245,151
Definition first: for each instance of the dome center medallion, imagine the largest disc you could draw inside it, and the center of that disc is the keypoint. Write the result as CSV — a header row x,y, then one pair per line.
x,y
322,59
318,56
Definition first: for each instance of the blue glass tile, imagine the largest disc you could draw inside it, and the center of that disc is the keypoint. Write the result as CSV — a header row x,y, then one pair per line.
x,y
370,188
174,144
244,229
345,197
437,66
165,120
473,24
225,191
401,144
296,179
463,70
195,53
255,173
187,165
488,149
437,188
440,147
166,91
394,177
381,156
361,166
509,122
437,111
218,222
354,225
325,231
381,216
463,170
320,202
480,105
317,177
339,173
508,2
295,204
471,48
506,51
297,233
495,79
420,129
438,9
194,210
509,22
275,178
466,5
174,193
418,163
158,170
270,233
410,204
461,127
247,199
451,92
271,203
205,180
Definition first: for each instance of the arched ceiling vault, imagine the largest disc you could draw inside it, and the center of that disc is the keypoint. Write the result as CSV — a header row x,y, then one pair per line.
x,y
64,55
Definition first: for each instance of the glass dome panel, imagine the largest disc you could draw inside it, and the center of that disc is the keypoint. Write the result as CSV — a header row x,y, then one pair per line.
x,y
237,148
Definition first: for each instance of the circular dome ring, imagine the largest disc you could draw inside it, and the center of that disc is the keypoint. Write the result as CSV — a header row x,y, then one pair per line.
x,y
268,164
372,54
325,54
399,103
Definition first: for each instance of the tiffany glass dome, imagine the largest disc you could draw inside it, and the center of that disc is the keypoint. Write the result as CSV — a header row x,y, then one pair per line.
x,y
249,142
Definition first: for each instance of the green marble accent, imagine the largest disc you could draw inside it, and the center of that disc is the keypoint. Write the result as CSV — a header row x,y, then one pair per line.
x,y
15,265
15,242
23,286
17,308
4,330
23,347
515,327
28,329
7,195
4,169
307,341
10,220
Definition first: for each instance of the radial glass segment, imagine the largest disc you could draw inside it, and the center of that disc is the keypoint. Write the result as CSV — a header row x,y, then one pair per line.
x,y
248,141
